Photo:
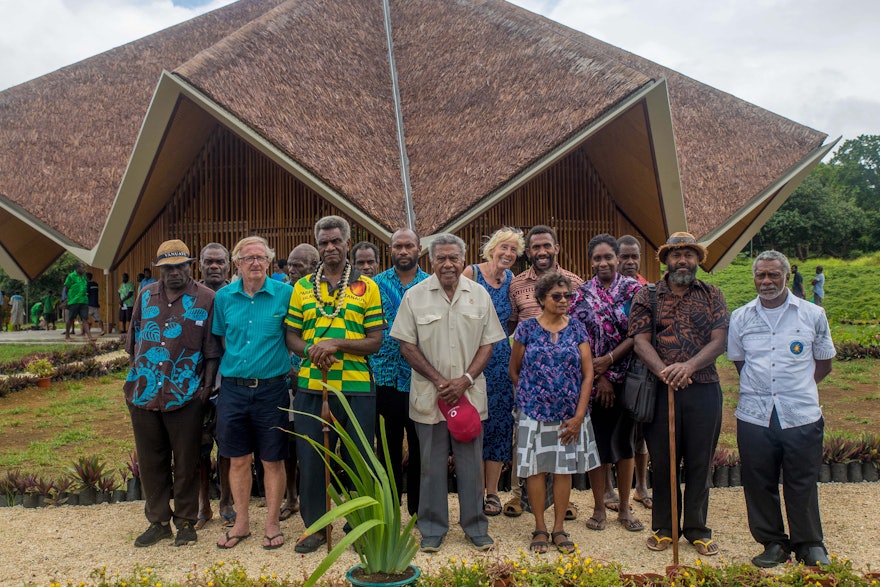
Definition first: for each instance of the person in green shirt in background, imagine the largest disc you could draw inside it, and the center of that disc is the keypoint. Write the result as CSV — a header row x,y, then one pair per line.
x,y
36,312
77,301
49,309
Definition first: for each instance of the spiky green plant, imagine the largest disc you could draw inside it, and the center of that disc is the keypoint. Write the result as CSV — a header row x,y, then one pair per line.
x,y
372,507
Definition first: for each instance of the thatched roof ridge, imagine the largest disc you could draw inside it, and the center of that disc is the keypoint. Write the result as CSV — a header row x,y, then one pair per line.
x,y
313,78
729,151
67,135
486,93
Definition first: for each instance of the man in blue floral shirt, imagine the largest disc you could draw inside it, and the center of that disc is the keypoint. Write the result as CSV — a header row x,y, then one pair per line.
x,y
391,371
174,358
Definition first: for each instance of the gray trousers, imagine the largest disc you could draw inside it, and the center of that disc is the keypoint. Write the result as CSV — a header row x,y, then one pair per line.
x,y
434,444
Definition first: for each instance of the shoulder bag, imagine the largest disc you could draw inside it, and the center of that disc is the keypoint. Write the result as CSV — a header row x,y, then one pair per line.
x,y
640,386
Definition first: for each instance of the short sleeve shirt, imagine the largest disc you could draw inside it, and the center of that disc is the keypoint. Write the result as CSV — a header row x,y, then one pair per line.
x,y
449,334
819,286
522,293
685,321
550,378
76,285
779,360
253,329
361,313
170,339
389,366
92,290
126,294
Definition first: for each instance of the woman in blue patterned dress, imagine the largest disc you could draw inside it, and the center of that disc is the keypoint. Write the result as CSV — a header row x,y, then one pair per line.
x,y
500,253
602,306
552,369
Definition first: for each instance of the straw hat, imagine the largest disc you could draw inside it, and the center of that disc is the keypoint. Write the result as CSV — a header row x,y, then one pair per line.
x,y
681,240
172,252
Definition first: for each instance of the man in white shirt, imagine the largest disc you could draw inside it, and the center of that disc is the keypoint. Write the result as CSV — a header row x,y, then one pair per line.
x,y
781,346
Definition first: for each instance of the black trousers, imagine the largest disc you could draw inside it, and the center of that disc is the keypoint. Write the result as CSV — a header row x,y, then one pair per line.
x,y
393,405
163,439
312,485
797,452
697,426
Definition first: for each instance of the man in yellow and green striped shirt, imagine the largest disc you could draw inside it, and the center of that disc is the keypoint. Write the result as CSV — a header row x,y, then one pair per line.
x,y
334,322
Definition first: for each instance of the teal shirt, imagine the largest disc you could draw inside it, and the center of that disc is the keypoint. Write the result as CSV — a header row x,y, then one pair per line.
x,y
253,329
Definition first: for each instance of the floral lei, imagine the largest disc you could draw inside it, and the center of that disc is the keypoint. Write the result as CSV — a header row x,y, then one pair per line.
x,y
340,297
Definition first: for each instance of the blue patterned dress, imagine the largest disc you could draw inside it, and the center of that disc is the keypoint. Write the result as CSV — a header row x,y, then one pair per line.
x,y
498,428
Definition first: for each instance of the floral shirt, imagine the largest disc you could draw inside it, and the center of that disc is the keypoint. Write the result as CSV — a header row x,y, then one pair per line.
x,y
550,378
169,341
605,314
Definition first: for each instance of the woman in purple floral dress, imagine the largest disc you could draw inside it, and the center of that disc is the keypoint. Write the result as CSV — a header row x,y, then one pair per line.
x,y
552,369
602,305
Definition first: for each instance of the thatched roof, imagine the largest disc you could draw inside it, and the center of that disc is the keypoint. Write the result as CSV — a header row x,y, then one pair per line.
x,y
486,90
65,137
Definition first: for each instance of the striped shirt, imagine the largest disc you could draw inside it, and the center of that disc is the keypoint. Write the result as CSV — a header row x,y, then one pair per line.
x,y
522,293
253,328
389,367
361,313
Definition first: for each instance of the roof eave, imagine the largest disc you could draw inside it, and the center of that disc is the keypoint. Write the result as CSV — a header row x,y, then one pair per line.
x,y
777,193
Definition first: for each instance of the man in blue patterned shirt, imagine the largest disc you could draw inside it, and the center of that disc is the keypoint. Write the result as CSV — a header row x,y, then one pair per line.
x,y
174,359
391,371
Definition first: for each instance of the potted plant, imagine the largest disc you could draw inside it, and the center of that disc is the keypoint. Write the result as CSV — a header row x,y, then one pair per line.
x,y
870,456
720,469
87,472
43,370
133,485
384,545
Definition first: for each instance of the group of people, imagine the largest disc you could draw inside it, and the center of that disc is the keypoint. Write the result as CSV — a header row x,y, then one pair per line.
x,y
474,362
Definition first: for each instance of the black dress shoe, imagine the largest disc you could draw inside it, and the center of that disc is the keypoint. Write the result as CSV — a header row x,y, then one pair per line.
x,y
813,556
774,554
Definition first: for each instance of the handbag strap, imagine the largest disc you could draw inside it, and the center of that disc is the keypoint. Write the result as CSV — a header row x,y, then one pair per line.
x,y
652,291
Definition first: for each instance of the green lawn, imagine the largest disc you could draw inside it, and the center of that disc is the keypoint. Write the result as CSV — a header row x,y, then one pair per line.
x,y
14,352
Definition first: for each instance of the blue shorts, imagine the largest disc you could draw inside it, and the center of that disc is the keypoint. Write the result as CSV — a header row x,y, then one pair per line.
x,y
250,420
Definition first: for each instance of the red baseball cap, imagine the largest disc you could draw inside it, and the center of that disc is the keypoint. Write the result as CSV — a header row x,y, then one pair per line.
x,y
462,419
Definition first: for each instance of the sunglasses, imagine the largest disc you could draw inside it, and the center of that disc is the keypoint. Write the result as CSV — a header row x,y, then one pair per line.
x,y
558,297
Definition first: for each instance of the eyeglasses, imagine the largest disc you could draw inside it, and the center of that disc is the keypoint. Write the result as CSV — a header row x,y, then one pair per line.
x,y
558,297
254,259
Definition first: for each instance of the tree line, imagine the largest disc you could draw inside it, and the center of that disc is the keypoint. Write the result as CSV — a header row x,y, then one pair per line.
x,y
835,212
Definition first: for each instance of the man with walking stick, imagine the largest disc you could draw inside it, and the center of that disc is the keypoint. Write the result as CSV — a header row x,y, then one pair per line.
x,y
692,326
334,321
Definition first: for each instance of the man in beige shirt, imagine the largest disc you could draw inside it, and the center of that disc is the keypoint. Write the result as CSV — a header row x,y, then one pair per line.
x,y
446,326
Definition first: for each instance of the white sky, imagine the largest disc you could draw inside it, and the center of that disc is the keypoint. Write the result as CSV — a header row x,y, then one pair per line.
x,y
812,61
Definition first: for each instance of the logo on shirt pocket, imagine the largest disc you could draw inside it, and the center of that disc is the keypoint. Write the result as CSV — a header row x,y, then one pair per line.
x,y
796,347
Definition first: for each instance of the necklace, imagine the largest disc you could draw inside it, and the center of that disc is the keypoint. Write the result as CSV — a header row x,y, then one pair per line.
x,y
340,297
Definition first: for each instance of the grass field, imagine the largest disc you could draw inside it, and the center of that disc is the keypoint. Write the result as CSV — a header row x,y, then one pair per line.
x,y
13,352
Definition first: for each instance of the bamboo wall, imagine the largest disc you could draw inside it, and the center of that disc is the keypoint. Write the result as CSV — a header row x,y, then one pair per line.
x,y
232,191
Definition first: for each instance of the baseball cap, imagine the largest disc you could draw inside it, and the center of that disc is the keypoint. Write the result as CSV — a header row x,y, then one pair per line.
x,y
462,419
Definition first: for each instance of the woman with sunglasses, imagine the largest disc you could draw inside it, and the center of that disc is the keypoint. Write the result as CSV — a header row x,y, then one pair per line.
x,y
602,305
552,370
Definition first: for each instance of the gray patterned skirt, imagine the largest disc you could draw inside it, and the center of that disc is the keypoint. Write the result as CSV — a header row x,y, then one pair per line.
x,y
538,449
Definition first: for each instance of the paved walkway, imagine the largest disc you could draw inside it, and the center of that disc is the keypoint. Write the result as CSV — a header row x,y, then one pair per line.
x,y
49,337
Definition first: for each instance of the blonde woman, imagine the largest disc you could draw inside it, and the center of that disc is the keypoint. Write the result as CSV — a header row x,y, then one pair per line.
x,y
500,253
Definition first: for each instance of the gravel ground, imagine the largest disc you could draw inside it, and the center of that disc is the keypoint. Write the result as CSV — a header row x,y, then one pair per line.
x,y
41,545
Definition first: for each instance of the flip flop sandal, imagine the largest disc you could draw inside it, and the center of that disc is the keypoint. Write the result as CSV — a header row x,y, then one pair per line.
x,y
539,546
614,506
566,546
571,512
231,537
269,539
659,543
646,501
631,524
513,508
706,547
596,524
288,511
492,505
228,520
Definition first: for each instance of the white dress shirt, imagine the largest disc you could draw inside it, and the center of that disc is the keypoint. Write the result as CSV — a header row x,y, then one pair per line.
x,y
780,353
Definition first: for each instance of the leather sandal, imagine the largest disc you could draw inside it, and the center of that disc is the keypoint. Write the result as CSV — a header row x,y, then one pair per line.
x,y
539,546
566,546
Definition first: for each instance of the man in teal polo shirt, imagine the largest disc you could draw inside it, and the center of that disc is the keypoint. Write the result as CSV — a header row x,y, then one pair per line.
x,y
249,316
77,301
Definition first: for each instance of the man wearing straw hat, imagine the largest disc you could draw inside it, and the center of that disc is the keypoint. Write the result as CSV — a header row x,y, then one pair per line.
x,y
253,392
334,321
692,321
782,349
173,365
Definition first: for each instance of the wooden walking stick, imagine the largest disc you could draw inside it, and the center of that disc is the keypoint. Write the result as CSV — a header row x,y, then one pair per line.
x,y
673,471
325,428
